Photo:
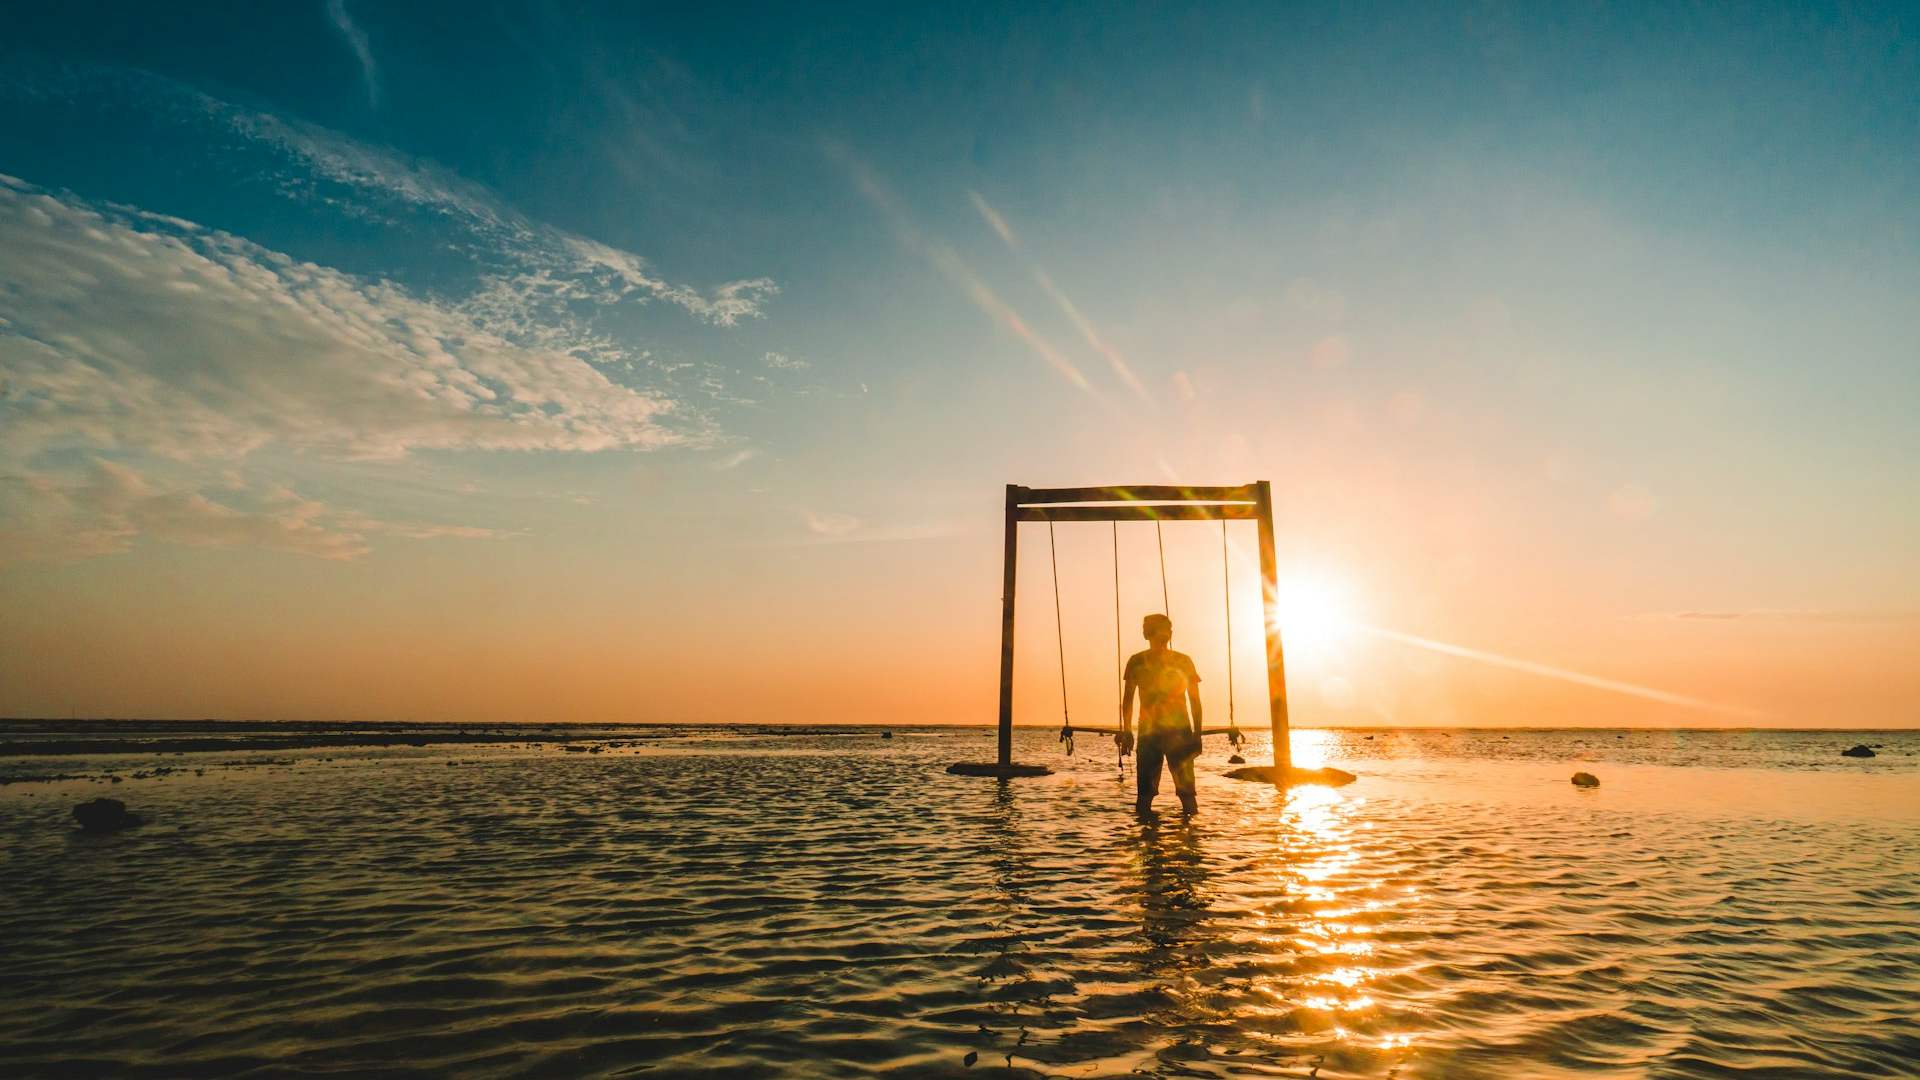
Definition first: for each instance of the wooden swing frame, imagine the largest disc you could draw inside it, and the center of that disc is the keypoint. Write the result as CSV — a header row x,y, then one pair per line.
x,y
1145,502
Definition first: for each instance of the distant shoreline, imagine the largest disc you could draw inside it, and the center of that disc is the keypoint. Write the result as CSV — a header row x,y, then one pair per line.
x,y
96,736
99,737
8,723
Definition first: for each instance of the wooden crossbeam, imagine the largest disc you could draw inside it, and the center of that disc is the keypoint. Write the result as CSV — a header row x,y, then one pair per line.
x,y
1244,493
1140,512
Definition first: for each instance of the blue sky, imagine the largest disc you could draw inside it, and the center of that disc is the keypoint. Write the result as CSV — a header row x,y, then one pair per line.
x,y
709,338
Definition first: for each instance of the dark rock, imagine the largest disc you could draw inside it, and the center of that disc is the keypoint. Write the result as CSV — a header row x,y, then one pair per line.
x,y
1327,775
106,815
1858,750
968,768
1585,779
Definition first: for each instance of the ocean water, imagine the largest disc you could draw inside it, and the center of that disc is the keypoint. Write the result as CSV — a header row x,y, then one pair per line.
x,y
706,904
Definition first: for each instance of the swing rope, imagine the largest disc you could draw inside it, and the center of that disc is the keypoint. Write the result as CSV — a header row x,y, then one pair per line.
x,y
1060,643
1120,741
1234,735
1166,607
1226,591
1119,677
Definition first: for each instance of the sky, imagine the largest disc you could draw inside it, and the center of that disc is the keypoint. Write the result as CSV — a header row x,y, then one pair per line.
x,y
561,363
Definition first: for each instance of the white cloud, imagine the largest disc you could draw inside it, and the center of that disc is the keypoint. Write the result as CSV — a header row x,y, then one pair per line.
x,y
783,362
143,338
824,529
827,523
125,332
548,266
513,254
362,51
103,508
106,509
176,351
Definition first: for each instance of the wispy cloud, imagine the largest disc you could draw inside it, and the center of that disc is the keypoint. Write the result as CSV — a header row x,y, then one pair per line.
x,y
357,40
1091,334
1774,615
830,528
137,337
541,268
955,269
105,509
828,523
107,506
216,347
1579,678
994,221
532,273
180,353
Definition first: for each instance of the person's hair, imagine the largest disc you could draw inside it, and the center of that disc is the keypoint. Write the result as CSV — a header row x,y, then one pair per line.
x,y
1155,625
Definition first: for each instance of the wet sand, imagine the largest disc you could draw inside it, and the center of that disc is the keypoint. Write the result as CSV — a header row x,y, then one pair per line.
x,y
833,906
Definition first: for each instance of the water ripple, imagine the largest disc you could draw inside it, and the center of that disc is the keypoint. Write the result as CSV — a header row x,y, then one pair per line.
x,y
839,907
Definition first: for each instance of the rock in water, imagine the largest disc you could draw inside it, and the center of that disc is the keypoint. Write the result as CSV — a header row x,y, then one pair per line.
x,y
106,815
1585,779
1858,750
1263,774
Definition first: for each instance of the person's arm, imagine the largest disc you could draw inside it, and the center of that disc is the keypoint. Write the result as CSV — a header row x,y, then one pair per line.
x,y
1126,706
1193,702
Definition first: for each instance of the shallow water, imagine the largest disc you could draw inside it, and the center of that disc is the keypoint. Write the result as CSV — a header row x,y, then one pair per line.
x,y
825,906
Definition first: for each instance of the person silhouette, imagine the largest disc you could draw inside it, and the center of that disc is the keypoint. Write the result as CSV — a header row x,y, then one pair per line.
x,y
1167,685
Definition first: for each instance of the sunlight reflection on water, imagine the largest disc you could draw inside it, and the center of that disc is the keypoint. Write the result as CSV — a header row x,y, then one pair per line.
x,y
1309,747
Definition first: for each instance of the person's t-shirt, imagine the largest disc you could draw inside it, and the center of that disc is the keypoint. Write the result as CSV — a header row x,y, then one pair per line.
x,y
1161,679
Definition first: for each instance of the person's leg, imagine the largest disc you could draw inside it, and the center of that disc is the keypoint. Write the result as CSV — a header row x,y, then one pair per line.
x,y
1148,754
1183,785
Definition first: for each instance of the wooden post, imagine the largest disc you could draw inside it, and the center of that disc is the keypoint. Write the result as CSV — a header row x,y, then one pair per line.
x,y
1276,663
1009,561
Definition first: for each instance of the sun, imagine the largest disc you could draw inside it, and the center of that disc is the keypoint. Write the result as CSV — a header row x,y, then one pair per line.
x,y
1315,614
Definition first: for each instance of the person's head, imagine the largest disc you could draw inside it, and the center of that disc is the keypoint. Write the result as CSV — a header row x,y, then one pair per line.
x,y
1157,629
